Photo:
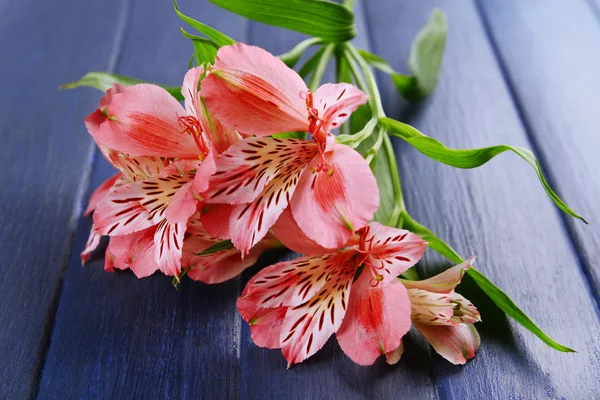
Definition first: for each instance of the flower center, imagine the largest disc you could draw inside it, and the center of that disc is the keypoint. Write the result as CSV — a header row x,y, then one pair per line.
x,y
191,126
370,261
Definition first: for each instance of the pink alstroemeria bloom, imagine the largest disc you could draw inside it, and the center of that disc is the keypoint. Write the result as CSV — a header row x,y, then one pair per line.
x,y
329,188
443,316
298,305
146,121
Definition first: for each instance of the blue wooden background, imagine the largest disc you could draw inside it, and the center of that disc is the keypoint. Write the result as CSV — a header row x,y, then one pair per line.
x,y
520,72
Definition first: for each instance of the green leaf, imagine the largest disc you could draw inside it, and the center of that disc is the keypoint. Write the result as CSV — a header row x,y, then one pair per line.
x,y
425,58
501,299
215,248
205,50
292,57
468,158
290,135
323,19
103,80
219,38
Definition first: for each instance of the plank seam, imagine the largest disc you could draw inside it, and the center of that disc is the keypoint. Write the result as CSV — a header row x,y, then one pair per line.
x,y
565,220
84,188
372,46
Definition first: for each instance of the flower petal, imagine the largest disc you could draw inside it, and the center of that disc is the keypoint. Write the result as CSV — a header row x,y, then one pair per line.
x,y
215,219
464,310
394,250
307,326
444,282
431,308
190,92
143,120
254,92
287,232
134,251
455,343
120,213
265,326
134,168
168,242
91,245
335,102
100,193
95,119
392,357
246,168
330,204
377,319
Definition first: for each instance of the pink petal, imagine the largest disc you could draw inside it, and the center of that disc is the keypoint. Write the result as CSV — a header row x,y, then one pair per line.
x,y
100,193
121,214
307,327
252,91
190,92
377,319
168,242
203,174
464,310
143,120
394,356
134,251
215,219
444,282
220,136
265,323
331,203
455,343
291,236
335,102
247,167
91,245
95,119
394,250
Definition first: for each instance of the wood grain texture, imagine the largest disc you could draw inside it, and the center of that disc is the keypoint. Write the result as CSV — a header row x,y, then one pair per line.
x,y
554,75
119,337
498,212
45,160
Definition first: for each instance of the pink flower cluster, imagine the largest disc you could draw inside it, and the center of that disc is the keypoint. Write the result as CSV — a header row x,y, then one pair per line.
x,y
191,177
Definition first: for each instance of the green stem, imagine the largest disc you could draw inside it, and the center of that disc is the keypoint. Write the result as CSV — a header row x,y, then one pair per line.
x,y
315,80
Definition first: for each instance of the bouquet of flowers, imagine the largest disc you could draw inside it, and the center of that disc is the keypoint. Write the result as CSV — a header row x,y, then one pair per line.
x,y
256,158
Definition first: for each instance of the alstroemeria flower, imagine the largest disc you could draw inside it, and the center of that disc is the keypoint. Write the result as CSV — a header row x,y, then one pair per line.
x,y
146,121
298,305
329,187
443,316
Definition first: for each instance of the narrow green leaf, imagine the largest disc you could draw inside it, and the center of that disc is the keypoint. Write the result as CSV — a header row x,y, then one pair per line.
x,y
191,63
468,158
103,80
323,19
290,135
501,299
425,58
219,38
292,57
205,50
215,248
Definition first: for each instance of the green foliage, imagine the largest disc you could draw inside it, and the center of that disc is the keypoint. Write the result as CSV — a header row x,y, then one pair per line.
x,y
323,19
471,158
103,80
219,38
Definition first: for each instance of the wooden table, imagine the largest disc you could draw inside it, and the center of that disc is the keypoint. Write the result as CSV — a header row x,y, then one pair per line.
x,y
519,72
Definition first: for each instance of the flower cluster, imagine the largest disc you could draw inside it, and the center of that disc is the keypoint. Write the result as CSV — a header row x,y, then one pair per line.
x,y
219,169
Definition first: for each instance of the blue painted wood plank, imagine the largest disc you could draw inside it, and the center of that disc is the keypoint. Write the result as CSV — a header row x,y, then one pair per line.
x,y
554,76
119,337
498,212
45,157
